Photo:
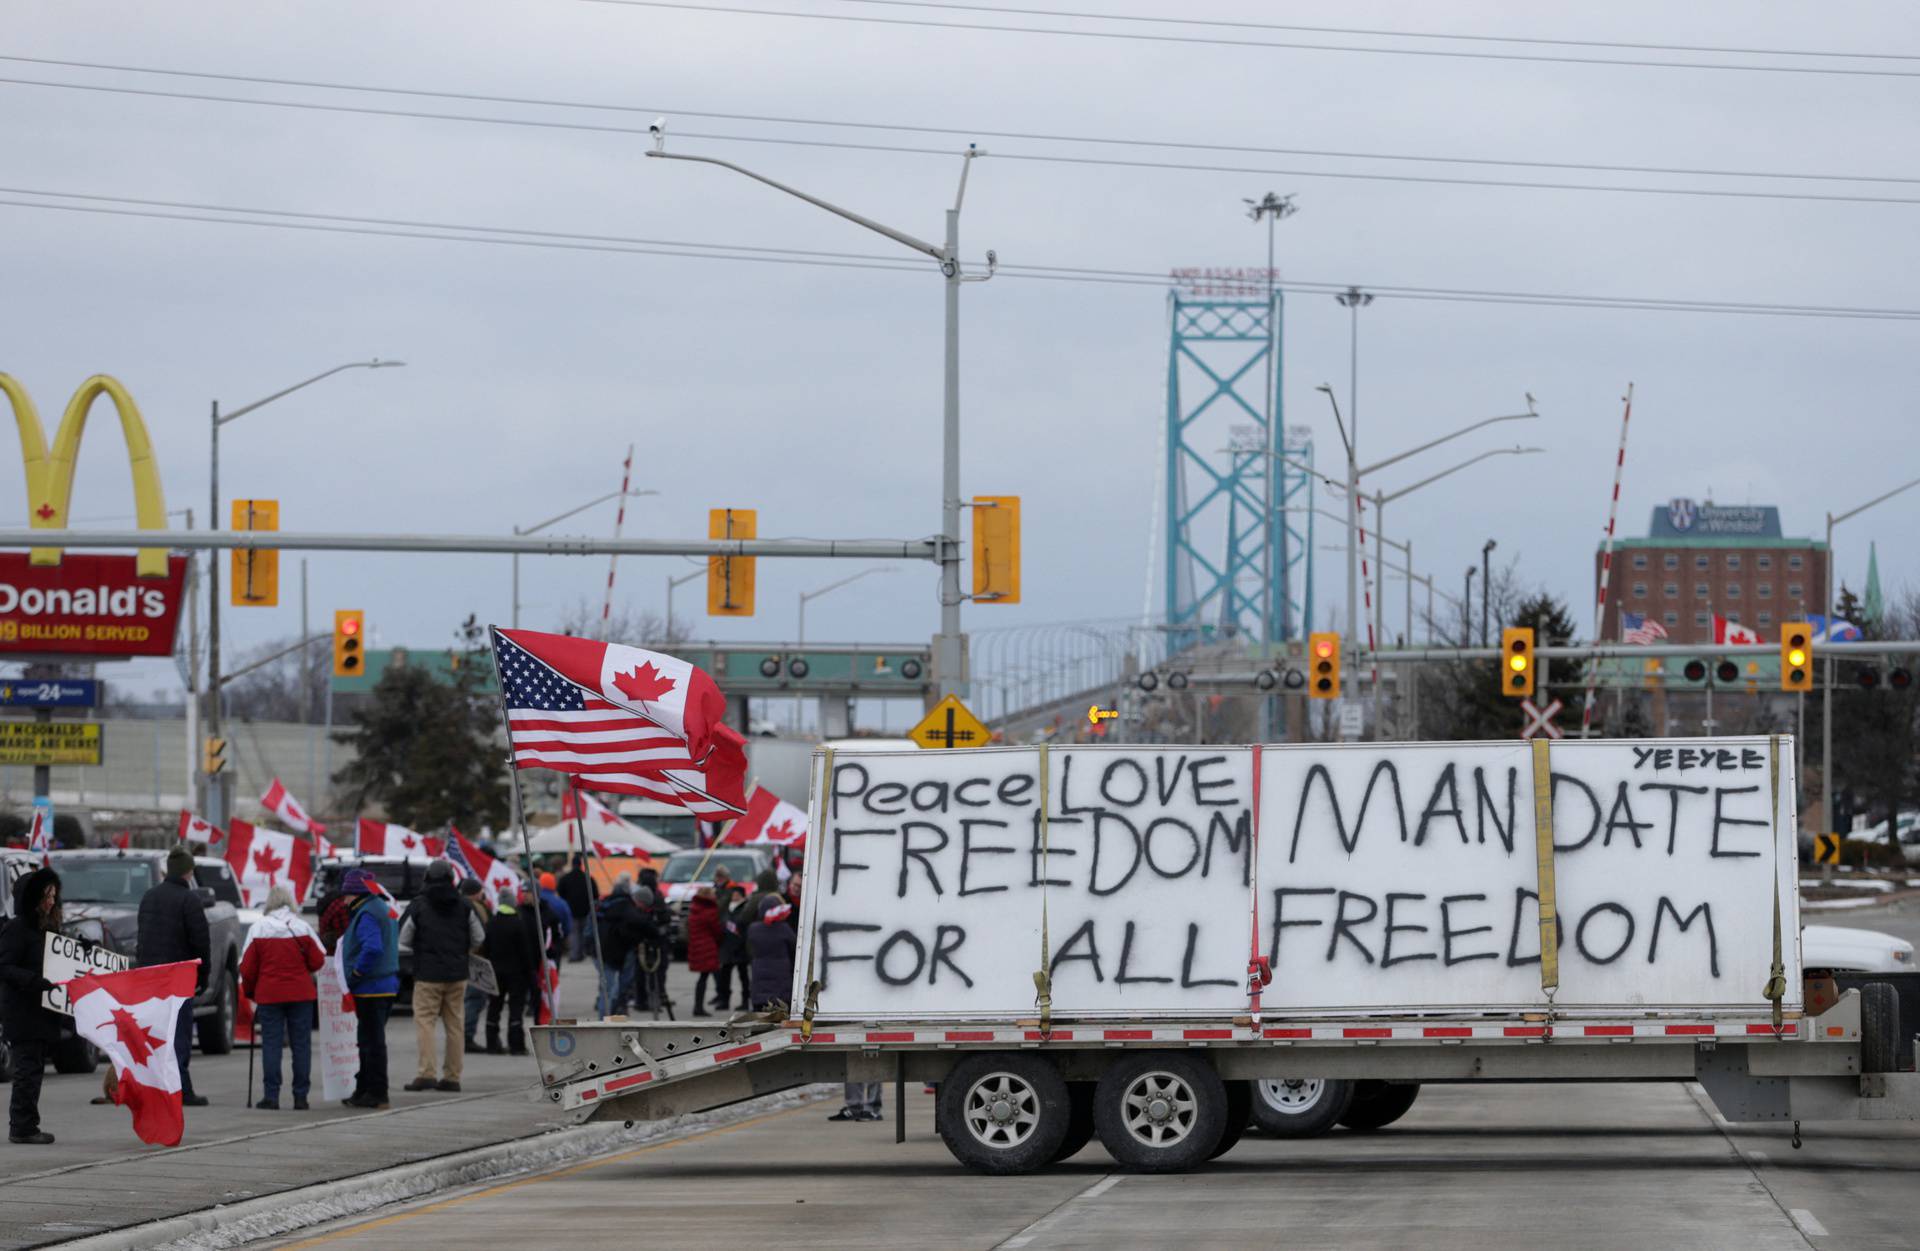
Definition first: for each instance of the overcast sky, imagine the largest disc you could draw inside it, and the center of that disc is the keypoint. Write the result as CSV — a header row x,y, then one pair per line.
x,y
813,394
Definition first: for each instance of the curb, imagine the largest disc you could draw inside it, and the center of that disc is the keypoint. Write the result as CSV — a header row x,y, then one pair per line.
x,y
289,1211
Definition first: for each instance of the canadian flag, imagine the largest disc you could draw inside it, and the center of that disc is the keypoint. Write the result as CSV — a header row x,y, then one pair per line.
x,y
288,809
40,833
383,838
494,873
1725,631
195,829
769,819
130,1016
549,994
263,859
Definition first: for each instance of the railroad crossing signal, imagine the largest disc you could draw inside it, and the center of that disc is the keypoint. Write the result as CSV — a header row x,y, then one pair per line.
x,y
213,760
1826,849
1516,662
950,724
349,643
256,575
1323,659
1796,656
730,578
1540,720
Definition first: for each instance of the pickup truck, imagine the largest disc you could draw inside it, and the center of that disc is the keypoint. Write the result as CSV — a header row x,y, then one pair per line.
x,y
106,886
71,1053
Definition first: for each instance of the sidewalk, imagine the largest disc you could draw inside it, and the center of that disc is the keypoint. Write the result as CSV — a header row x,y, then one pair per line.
x,y
97,1176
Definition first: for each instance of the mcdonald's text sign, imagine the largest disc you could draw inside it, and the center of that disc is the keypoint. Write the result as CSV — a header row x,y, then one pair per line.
x,y
92,605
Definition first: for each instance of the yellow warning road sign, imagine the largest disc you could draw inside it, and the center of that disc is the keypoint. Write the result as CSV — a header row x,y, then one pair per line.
x,y
950,724
1826,849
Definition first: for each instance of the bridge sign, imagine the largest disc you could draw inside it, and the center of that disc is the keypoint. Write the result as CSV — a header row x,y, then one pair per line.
x,y
1540,720
950,724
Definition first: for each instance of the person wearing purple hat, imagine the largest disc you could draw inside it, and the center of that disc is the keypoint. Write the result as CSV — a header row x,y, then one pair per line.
x,y
370,953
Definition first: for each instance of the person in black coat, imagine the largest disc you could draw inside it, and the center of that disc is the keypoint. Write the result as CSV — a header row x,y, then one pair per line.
x,y
735,917
580,893
770,940
623,927
513,948
173,927
29,1027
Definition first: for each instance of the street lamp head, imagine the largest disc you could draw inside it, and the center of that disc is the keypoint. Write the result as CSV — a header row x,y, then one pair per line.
x,y
1489,546
377,363
1323,387
659,132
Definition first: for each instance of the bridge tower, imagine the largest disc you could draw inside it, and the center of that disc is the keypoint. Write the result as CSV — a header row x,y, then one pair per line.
x,y
1239,561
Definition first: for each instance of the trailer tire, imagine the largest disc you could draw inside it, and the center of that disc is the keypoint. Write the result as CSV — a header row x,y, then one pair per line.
x,y
1300,1107
1239,1116
1377,1105
1879,1027
1004,1112
1160,1111
1079,1121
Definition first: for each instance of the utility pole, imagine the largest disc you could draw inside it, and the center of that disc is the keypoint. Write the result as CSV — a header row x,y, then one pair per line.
x,y
1272,209
1353,299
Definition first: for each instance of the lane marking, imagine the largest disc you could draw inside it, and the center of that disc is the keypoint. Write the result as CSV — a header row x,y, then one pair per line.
x,y
1808,1224
1060,1214
584,1166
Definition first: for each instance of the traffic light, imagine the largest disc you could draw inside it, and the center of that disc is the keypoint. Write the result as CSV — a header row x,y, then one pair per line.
x,y
1323,659
349,643
213,758
996,549
1516,662
1796,656
256,575
730,578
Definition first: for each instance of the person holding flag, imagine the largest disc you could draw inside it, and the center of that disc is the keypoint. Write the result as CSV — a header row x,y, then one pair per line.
x,y
30,1028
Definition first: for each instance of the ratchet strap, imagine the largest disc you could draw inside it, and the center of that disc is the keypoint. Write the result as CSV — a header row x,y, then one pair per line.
x,y
1043,979
1776,989
813,983
1543,851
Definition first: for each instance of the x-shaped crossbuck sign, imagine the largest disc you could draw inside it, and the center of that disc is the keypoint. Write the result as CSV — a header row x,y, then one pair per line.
x,y
1540,720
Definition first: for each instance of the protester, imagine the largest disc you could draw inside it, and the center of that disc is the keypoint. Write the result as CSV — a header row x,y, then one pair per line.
x,y
557,916
173,927
474,894
735,916
443,932
704,932
766,886
29,1028
581,893
543,937
792,892
276,972
771,942
370,950
622,926
648,966
515,955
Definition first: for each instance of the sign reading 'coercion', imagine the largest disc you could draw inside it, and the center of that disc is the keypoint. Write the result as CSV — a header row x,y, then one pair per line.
x,y
1376,878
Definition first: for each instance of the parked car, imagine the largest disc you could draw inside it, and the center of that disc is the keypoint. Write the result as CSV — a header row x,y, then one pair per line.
x,y
1846,950
71,1053
107,885
403,878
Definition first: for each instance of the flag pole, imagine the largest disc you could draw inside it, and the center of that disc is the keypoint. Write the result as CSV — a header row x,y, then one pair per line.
x,y
586,850
526,839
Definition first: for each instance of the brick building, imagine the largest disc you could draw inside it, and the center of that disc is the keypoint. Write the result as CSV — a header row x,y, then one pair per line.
x,y
1701,559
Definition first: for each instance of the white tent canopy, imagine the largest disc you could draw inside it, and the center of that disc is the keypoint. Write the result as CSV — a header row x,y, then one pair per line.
x,y
565,836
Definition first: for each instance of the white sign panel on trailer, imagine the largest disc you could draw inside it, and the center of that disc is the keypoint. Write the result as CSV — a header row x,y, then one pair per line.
x,y
1390,878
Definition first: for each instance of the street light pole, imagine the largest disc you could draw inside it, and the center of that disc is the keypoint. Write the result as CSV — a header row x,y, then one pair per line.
x,y
219,789
522,531
1486,587
673,582
831,586
950,644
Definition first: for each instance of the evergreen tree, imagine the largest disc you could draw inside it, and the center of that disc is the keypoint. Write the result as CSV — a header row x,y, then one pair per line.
x,y
1464,700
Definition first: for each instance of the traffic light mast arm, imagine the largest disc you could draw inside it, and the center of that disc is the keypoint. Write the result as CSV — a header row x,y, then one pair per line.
x,y
279,655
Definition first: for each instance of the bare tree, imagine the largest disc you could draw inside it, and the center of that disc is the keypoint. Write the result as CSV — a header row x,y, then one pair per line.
x,y
290,688
640,627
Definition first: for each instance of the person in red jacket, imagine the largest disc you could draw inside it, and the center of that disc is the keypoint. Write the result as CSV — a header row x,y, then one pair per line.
x,y
703,945
276,972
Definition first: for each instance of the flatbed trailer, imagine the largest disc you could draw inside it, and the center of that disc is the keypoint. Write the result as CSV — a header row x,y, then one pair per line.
x,y
926,957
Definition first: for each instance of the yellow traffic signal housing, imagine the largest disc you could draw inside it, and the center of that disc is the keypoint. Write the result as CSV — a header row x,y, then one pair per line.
x,y
256,575
1516,662
213,758
730,578
996,549
1796,656
1323,665
349,643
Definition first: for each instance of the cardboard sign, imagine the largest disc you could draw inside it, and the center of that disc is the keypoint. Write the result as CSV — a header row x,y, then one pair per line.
x,y
337,1043
67,957
1377,878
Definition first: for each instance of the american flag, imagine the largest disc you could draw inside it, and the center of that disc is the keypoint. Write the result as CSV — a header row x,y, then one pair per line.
x,y
1640,628
556,723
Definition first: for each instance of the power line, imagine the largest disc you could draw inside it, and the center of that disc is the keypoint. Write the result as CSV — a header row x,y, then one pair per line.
x,y
1220,42
332,223
962,132
1059,158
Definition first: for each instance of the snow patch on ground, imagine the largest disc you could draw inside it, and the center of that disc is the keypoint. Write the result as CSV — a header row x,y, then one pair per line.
x,y
1872,883
1830,905
280,1215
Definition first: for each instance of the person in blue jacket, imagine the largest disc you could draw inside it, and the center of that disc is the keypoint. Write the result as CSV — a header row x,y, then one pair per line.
x,y
370,954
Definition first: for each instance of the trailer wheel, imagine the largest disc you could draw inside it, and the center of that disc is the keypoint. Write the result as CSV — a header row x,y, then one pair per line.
x,y
1004,1112
1160,1112
1079,1121
1239,1116
1377,1105
1300,1107
1879,1027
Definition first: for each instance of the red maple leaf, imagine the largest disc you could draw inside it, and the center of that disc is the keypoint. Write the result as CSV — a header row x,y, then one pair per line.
x,y
607,816
644,683
133,1035
268,863
44,512
407,842
783,832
